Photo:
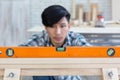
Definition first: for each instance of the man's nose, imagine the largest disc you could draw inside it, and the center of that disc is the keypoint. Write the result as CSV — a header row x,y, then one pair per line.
x,y
58,31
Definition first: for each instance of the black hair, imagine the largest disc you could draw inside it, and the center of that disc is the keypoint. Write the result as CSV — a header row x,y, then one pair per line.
x,y
53,14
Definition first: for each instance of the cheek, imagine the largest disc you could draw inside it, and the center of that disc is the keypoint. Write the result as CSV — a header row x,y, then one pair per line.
x,y
51,33
65,32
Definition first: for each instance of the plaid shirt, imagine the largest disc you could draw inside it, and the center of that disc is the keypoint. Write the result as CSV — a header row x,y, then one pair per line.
x,y
72,39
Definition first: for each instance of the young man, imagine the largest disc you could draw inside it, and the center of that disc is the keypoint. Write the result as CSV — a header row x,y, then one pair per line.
x,y
56,20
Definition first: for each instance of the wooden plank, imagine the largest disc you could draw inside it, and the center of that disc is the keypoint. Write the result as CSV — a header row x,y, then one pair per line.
x,y
12,74
94,12
115,9
80,14
60,71
88,13
73,9
65,61
110,74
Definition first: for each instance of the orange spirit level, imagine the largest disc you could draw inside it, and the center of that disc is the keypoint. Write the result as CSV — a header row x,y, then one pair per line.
x,y
62,52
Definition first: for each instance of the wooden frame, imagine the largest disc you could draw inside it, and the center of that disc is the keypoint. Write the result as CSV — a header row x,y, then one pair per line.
x,y
57,66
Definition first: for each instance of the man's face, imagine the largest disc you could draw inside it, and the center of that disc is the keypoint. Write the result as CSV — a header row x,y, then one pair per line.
x,y
58,32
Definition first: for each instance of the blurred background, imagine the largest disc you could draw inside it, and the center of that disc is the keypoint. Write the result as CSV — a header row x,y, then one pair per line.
x,y
18,16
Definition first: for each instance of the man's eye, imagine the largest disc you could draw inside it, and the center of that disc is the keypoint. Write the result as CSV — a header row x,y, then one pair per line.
x,y
63,26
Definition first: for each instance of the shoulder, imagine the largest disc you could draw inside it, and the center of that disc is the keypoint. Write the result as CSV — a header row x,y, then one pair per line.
x,y
77,39
74,35
37,39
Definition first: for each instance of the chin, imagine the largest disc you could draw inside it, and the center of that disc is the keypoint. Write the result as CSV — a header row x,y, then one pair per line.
x,y
59,42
